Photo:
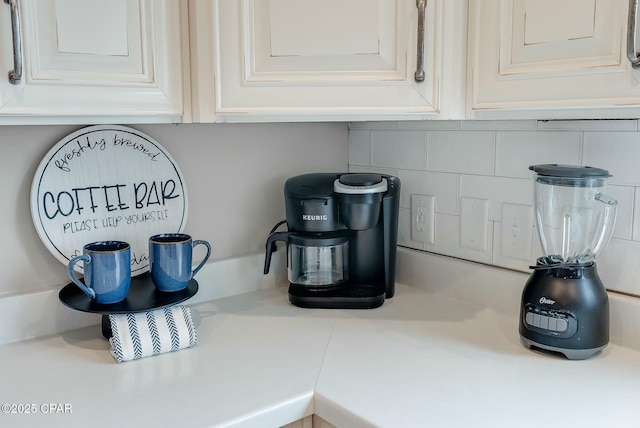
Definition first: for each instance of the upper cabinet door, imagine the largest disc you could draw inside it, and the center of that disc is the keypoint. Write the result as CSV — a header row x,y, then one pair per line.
x,y
550,59
315,60
94,59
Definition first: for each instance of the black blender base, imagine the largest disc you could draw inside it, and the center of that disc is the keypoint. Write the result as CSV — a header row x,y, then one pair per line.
x,y
564,310
349,296
570,354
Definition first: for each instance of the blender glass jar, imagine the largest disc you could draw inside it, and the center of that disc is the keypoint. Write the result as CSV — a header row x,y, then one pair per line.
x,y
575,219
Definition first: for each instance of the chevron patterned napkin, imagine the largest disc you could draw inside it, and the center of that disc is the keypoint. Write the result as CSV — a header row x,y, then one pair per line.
x,y
142,334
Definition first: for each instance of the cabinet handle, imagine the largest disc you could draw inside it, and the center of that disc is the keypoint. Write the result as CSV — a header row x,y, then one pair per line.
x,y
419,76
632,51
15,75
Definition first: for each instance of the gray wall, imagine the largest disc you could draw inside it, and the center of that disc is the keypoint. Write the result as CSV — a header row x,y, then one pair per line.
x,y
234,176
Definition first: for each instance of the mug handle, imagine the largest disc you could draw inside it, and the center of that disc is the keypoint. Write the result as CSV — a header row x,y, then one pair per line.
x,y
206,257
86,290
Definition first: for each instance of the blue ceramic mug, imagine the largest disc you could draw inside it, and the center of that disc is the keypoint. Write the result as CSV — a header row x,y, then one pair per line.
x,y
107,271
170,260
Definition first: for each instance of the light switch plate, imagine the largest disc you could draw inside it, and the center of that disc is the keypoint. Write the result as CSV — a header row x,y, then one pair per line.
x,y
474,219
517,231
423,219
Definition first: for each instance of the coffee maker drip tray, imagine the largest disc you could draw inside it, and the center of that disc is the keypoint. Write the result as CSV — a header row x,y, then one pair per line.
x,y
349,296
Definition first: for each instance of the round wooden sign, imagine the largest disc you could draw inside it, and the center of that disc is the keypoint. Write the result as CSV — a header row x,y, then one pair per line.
x,y
107,182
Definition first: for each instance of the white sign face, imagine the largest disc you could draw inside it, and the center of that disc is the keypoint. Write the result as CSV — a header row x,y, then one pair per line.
x,y
107,182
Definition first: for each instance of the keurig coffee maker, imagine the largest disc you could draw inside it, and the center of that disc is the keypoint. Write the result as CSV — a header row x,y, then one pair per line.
x,y
341,239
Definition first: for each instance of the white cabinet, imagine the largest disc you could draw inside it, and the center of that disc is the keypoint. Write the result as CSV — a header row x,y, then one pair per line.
x,y
91,61
550,59
255,60
94,60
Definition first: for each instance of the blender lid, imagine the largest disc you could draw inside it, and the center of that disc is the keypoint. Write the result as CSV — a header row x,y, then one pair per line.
x,y
359,184
569,171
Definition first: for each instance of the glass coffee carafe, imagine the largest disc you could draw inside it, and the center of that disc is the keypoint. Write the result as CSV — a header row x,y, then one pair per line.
x,y
318,261
313,259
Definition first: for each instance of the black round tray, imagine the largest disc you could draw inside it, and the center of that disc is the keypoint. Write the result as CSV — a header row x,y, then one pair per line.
x,y
142,296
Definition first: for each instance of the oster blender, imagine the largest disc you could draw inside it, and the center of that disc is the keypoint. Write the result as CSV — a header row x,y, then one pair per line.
x,y
565,308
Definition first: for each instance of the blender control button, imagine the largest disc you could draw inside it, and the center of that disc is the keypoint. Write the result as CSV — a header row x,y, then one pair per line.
x,y
561,325
553,324
528,318
536,320
544,322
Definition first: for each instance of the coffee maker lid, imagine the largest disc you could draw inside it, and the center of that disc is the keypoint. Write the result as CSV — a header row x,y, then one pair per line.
x,y
569,171
310,186
359,184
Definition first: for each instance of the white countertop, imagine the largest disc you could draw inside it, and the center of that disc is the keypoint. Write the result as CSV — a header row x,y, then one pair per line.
x,y
423,359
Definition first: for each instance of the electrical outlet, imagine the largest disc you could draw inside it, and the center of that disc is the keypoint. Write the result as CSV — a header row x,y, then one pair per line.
x,y
423,219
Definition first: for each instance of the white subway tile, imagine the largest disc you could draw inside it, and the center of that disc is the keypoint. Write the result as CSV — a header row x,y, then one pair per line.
x,y
373,169
360,147
497,190
618,266
618,152
588,125
451,160
447,240
399,149
429,125
504,259
469,152
624,216
495,125
373,125
517,150
444,187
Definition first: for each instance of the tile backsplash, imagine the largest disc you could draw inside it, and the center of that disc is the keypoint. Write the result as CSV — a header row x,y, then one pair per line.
x,y
472,187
